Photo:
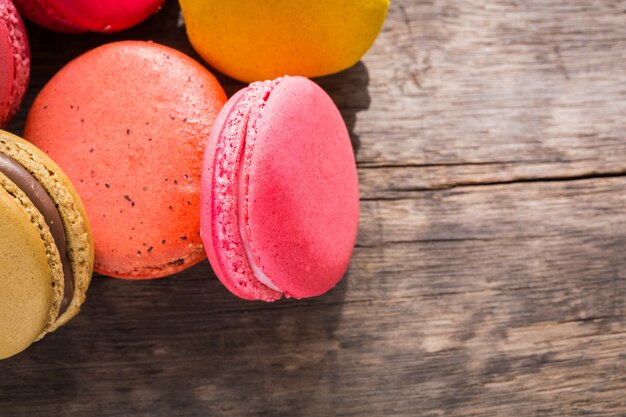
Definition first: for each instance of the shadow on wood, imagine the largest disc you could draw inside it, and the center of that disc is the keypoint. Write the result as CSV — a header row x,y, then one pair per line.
x,y
349,91
164,346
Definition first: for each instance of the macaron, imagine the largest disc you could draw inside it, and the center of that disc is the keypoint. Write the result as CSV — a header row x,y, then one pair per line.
x,y
128,123
252,40
279,192
46,248
14,61
75,16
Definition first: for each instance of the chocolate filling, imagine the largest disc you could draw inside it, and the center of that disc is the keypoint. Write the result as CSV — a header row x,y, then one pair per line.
x,y
46,206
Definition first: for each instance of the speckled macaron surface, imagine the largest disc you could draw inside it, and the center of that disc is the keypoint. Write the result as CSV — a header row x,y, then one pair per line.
x,y
252,40
14,61
46,248
73,16
128,123
279,194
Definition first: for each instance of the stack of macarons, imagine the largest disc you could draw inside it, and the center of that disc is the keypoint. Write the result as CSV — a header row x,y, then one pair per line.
x,y
170,171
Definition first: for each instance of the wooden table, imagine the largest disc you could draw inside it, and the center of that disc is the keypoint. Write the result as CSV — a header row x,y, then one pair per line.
x,y
489,277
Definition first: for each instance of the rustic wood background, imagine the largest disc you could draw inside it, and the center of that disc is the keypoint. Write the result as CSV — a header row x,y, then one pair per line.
x,y
489,277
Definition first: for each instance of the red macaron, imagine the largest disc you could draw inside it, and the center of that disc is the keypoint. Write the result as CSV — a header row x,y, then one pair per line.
x,y
74,16
279,192
14,61
128,123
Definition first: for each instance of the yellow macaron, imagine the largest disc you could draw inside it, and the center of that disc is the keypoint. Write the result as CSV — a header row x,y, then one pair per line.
x,y
46,247
253,40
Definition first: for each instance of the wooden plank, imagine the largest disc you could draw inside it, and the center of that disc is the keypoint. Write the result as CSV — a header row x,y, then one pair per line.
x,y
535,82
461,358
489,277
551,240
520,310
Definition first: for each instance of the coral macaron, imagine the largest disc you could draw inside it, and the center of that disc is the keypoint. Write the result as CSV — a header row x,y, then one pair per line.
x,y
128,123
46,248
253,40
14,61
74,16
279,194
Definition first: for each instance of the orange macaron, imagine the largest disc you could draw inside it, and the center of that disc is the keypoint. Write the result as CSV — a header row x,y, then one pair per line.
x,y
128,123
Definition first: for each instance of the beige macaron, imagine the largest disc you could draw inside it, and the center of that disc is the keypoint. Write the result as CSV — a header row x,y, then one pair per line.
x,y
46,246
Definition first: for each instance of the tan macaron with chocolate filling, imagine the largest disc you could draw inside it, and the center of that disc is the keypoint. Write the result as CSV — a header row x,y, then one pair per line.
x,y
46,247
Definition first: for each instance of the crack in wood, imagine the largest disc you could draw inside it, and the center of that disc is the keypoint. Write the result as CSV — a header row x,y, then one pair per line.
x,y
375,165
466,184
591,319
302,304
433,240
507,238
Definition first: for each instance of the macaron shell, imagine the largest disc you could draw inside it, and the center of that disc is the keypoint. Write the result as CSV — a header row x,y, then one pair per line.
x,y
302,195
80,244
25,278
128,123
257,40
14,61
45,15
72,16
219,187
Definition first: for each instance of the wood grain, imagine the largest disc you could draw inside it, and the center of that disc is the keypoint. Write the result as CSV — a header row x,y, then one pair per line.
x,y
489,277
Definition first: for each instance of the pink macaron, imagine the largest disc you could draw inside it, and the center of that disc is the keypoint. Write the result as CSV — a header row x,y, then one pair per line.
x,y
14,61
279,192
74,16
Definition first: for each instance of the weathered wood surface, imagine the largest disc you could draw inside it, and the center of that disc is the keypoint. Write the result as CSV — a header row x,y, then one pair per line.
x,y
489,276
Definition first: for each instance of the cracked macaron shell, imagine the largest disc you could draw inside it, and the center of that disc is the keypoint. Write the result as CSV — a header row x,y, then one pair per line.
x,y
14,61
300,191
75,16
128,123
